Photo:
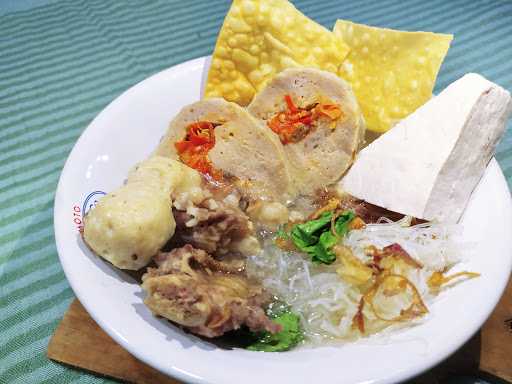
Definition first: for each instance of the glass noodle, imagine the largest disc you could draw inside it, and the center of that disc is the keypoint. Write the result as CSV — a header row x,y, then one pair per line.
x,y
325,302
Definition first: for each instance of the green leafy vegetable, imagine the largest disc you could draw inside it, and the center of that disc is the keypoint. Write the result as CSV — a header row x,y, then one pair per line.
x,y
316,238
343,221
289,337
323,250
307,234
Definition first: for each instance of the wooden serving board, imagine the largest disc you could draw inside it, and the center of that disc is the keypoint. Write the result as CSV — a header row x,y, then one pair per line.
x,y
80,342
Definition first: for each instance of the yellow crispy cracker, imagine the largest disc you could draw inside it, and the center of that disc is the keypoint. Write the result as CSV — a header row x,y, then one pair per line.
x,y
392,72
259,39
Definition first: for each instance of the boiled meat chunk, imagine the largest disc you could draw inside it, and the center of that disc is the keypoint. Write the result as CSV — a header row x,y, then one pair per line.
x,y
207,296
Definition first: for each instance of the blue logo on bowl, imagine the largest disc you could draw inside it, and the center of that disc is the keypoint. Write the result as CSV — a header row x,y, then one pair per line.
x,y
91,200
79,212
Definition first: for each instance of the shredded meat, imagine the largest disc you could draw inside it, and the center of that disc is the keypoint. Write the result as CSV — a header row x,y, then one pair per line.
x,y
213,226
186,258
232,315
207,296
370,213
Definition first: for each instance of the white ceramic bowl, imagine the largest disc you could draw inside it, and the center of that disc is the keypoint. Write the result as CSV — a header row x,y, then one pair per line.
x,y
125,133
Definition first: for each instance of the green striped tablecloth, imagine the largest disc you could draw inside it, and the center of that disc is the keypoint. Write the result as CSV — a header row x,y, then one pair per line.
x,y
61,62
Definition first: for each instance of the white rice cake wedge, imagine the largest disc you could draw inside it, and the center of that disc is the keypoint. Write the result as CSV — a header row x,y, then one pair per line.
x,y
428,164
324,154
243,148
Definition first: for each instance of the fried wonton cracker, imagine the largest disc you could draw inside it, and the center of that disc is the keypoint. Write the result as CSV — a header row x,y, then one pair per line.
x,y
259,39
392,72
